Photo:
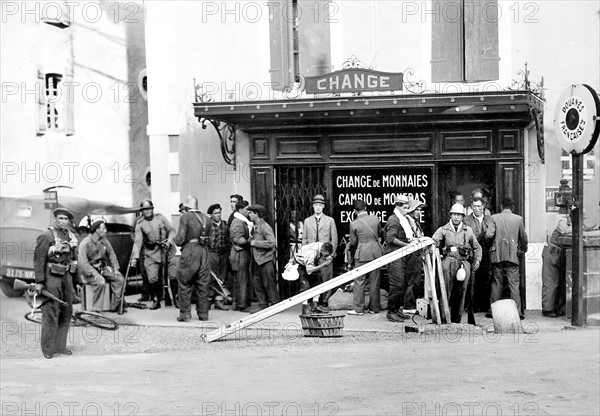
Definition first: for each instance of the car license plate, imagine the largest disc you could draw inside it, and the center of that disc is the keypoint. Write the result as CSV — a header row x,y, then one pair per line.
x,y
19,273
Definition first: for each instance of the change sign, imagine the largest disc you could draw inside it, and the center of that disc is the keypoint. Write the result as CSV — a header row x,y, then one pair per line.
x,y
378,188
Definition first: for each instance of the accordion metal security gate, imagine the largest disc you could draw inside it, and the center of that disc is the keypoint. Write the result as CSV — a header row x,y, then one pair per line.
x,y
295,186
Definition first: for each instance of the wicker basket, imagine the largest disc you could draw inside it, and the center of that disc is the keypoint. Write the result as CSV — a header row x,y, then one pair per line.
x,y
322,326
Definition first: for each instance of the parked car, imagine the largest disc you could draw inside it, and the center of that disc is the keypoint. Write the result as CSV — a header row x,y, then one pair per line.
x,y
24,219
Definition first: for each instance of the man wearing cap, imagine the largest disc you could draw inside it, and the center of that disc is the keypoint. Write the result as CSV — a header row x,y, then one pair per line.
x,y
218,250
320,228
98,264
509,240
155,233
193,273
397,234
479,284
239,256
54,261
263,258
364,243
460,250
414,261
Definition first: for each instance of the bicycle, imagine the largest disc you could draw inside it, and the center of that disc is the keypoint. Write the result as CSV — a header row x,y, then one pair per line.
x,y
87,317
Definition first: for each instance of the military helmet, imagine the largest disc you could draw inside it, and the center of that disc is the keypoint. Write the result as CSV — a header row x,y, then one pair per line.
x,y
146,204
457,209
191,202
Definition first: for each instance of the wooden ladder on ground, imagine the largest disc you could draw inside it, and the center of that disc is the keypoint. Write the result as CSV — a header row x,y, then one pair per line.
x,y
431,266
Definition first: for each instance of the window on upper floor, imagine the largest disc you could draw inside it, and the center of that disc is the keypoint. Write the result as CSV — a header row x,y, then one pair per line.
x,y
54,104
465,40
300,40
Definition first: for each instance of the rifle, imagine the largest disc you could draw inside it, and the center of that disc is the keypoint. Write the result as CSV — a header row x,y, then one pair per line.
x,y
167,295
122,303
470,289
20,285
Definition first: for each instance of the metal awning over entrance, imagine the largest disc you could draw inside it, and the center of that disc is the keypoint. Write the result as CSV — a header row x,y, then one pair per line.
x,y
519,108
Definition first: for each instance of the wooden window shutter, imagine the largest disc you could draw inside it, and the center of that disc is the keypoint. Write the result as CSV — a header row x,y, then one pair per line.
x,y
481,41
447,41
41,103
68,100
279,36
314,37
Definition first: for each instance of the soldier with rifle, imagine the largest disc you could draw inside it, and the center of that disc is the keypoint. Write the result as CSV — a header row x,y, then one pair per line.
x,y
55,260
156,234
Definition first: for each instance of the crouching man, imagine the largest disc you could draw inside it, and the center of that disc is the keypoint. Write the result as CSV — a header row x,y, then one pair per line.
x,y
312,259
460,250
98,264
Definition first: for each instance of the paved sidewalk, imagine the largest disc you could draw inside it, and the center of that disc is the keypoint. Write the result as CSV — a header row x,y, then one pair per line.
x,y
289,320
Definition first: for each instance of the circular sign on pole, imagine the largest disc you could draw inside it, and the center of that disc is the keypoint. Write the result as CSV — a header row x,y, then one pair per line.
x,y
576,118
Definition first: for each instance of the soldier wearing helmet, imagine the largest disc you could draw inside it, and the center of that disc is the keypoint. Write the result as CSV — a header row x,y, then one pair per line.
x,y
154,233
193,274
461,251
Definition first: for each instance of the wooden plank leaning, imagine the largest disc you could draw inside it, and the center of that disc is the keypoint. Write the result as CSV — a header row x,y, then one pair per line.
x,y
235,326
430,290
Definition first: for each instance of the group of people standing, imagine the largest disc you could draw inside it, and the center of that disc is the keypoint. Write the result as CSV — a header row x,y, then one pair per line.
x,y
232,250
471,243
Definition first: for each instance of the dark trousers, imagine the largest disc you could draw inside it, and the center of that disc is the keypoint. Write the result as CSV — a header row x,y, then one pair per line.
x,y
56,319
455,290
219,264
414,279
397,274
358,293
510,271
553,280
265,285
480,286
241,278
194,275
326,274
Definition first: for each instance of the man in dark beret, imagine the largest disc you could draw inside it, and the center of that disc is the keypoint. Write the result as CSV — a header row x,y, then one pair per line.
x,y
54,260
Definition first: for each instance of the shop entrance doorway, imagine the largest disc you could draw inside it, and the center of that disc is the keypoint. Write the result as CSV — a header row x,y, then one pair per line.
x,y
464,178
295,186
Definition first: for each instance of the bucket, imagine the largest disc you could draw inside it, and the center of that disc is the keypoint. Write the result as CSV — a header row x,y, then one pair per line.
x,y
506,317
322,326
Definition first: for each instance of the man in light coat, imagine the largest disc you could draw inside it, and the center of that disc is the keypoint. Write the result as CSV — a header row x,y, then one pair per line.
x,y
364,241
320,228
509,240
460,251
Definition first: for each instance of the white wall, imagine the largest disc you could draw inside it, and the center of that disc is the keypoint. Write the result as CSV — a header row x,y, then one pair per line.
x,y
93,160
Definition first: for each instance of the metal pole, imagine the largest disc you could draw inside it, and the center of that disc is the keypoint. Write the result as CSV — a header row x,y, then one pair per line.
x,y
577,316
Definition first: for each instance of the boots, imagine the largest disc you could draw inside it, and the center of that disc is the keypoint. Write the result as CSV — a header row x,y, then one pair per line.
x,y
155,295
174,290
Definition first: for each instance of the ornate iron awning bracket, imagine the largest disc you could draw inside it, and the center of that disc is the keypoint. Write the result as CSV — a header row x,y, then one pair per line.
x,y
226,133
525,84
